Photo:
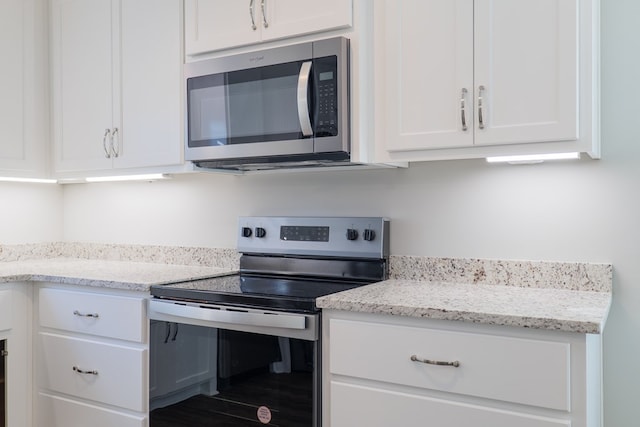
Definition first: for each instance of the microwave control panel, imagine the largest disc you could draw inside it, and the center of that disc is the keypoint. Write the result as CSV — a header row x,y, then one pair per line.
x,y
326,123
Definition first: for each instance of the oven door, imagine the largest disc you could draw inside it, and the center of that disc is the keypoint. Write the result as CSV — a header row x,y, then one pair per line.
x,y
276,102
219,365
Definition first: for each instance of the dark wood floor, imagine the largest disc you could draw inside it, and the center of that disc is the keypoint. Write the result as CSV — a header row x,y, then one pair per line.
x,y
288,397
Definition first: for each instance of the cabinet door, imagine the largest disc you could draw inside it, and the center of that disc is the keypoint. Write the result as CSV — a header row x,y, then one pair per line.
x,y
526,58
149,127
428,72
82,82
287,18
12,82
23,103
219,24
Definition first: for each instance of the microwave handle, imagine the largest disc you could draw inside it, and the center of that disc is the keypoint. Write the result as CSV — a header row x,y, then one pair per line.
x,y
303,102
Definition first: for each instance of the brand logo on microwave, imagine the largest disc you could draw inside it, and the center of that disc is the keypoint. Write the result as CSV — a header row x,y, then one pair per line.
x,y
256,58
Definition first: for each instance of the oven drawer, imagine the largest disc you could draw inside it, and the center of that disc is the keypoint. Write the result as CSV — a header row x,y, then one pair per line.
x,y
105,373
56,411
525,371
91,313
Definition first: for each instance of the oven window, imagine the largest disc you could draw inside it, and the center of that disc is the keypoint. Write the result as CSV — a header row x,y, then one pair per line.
x,y
208,377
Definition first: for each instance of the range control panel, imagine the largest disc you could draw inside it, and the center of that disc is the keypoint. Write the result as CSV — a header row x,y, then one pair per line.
x,y
350,237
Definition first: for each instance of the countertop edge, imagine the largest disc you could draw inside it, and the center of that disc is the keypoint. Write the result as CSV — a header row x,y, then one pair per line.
x,y
568,311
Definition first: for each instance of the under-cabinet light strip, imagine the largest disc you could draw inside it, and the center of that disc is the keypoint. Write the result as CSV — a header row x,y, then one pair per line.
x,y
28,180
143,177
533,158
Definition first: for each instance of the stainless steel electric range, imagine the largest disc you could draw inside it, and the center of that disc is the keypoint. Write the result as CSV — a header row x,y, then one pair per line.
x,y
245,349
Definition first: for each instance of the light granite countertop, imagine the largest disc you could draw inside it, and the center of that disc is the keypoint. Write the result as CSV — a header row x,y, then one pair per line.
x,y
135,276
554,309
566,296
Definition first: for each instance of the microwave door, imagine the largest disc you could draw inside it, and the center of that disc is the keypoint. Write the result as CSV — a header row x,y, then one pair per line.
x,y
250,112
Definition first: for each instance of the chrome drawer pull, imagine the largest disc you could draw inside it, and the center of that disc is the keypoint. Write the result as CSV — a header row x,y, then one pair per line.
x,y
77,313
415,358
80,371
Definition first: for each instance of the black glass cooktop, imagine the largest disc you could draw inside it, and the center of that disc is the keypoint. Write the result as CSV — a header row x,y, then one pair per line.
x,y
273,293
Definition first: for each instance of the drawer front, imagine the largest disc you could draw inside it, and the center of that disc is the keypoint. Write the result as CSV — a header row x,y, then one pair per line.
x,y
6,309
515,370
56,411
96,314
120,378
353,405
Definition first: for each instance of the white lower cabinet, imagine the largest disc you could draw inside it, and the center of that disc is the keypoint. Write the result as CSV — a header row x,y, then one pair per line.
x,y
385,370
354,405
59,411
88,364
15,332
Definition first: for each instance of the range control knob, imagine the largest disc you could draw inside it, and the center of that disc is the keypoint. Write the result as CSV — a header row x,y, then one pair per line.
x,y
246,232
369,235
352,234
260,232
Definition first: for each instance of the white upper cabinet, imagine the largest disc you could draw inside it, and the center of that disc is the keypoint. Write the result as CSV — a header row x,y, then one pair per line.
x,y
212,25
474,78
526,59
429,63
116,84
23,88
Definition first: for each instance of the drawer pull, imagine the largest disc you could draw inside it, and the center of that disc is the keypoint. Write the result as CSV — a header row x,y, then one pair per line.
x,y
415,358
77,313
80,371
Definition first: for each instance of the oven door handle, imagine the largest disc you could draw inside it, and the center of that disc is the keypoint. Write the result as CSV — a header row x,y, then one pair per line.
x,y
234,316
303,101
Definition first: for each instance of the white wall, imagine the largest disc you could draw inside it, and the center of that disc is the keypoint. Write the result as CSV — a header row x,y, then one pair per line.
x,y
581,211
30,213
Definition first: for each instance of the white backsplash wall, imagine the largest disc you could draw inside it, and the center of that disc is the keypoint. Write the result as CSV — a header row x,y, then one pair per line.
x,y
578,211
30,213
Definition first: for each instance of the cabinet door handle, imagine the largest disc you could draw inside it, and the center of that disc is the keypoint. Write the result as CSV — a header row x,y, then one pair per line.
x,y
415,358
115,147
77,313
252,14
4,353
81,371
107,153
463,100
175,333
481,89
264,13
168,332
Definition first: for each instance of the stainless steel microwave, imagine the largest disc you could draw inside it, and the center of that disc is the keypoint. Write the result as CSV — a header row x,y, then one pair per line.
x,y
280,107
